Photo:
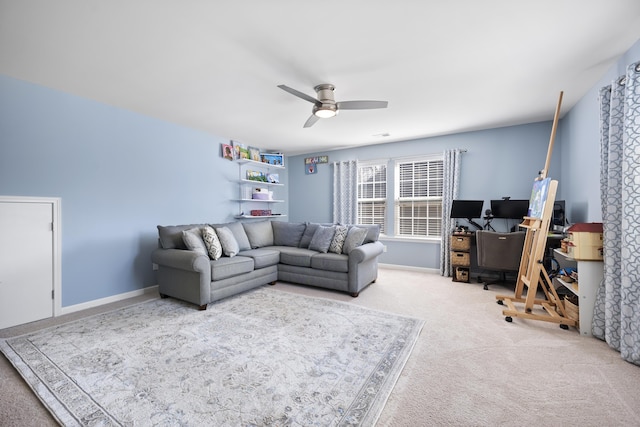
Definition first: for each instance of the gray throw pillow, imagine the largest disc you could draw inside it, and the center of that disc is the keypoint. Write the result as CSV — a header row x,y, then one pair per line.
x,y
238,232
212,243
373,232
309,231
322,239
259,233
287,233
355,238
192,239
229,243
338,239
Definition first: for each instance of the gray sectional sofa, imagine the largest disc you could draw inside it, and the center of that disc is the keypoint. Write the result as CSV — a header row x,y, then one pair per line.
x,y
202,263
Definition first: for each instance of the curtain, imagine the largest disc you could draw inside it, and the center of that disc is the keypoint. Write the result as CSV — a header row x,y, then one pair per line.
x,y
345,192
617,310
451,178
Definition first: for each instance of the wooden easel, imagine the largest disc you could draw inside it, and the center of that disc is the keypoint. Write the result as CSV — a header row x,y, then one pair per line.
x,y
531,274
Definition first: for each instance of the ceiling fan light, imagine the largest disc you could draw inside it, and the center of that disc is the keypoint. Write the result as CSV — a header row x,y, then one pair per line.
x,y
324,113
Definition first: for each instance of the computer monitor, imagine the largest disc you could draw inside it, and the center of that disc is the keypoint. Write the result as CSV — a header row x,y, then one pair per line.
x,y
468,209
559,216
509,209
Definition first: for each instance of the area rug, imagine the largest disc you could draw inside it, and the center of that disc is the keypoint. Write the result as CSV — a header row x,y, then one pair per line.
x,y
263,358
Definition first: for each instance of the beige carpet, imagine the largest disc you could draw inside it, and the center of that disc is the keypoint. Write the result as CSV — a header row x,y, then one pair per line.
x,y
468,368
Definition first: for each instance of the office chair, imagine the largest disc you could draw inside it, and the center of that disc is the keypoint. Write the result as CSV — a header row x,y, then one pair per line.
x,y
499,252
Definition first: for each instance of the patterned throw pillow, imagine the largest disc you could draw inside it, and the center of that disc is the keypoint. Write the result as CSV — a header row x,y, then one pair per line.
x,y
192,239
338,239
212,243
355,238
228,241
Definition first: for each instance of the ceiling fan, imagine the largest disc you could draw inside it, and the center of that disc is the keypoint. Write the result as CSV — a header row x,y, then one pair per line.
x,y
325,106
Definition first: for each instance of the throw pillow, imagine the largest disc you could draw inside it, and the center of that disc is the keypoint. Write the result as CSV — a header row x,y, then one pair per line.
x,y
355,238
259,233
309,231
193,241
322,239
212,243
287,233
229,243
338,239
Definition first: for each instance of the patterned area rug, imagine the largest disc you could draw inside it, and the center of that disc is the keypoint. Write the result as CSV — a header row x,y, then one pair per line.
x,y
262,358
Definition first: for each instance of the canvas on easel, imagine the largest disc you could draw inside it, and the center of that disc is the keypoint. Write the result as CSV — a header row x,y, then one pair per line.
x,y
532,277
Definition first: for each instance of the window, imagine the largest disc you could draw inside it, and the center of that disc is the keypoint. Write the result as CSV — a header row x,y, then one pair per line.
x,y
418,197
372,194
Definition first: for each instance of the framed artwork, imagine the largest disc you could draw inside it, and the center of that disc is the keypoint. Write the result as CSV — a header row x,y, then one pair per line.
x,y
254,154
272,159
273,178
538,198
228,152
241,150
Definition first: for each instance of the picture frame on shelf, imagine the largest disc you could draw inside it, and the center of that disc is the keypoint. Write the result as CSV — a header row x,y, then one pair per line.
x,y
273,178
228,152
254,154
257,176
274,159
241,150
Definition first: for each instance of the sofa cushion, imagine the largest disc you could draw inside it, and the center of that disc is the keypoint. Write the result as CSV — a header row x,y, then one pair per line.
x,y
212,242
355,238
338,239
238,232
171,235
331,262
229,243
373,232
309,231
193,241
259,233
287,233
262,257
295,256
322,239
229,267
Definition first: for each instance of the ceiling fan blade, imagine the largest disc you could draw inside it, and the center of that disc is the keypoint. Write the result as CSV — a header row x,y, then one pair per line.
x,y
361,105
299,94
311,120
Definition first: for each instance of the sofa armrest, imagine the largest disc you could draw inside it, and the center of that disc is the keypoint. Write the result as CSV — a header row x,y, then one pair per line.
x,y
365,252
181,259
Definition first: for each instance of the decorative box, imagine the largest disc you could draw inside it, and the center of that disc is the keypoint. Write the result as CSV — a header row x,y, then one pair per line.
x,y
261,212
585,241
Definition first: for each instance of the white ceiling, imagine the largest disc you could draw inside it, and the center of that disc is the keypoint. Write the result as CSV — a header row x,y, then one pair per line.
x,y
444,66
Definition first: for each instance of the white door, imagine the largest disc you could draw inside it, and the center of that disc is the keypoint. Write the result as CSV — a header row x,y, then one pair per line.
x,y
26,262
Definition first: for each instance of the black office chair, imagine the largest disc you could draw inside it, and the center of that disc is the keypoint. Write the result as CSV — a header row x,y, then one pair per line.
x,y
500,252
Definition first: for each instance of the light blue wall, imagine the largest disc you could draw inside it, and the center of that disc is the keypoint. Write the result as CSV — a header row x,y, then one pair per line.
x,y
498,162
579,143
119,174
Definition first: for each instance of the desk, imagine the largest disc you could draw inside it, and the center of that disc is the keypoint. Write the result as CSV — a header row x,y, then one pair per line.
x,y
590,274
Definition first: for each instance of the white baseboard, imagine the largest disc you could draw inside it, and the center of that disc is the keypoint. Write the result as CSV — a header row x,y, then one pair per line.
x,y
409,267
107,300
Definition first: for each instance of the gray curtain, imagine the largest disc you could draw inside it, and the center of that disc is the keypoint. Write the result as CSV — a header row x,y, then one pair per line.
x,y
451,172
345,192
616,317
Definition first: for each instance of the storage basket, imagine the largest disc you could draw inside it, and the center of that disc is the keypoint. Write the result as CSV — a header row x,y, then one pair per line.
x,y
462,274
571,307
460,258
460,243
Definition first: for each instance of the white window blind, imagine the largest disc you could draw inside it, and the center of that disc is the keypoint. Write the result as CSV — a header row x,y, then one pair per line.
x,y
418,200
372,194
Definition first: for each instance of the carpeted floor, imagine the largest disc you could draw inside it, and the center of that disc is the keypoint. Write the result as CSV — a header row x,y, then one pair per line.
x,y
468,368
